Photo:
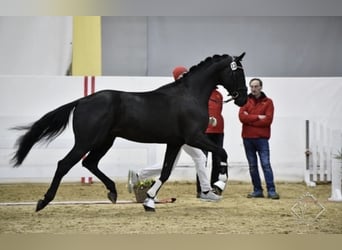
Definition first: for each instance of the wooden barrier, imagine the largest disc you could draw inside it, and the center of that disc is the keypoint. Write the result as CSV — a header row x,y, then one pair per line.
x,y
322,145
319,151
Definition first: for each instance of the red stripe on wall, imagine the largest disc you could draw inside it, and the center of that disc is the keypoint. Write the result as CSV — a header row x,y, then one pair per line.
x,y
85,85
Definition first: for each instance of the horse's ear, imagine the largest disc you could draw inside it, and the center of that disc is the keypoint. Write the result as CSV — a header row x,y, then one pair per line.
x,y
239,58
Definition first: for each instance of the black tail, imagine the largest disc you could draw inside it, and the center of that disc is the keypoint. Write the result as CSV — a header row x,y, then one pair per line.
x,y
46,128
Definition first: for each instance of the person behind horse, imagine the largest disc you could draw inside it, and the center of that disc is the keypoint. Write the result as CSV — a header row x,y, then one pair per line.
x,y
256,117
215,132
205,191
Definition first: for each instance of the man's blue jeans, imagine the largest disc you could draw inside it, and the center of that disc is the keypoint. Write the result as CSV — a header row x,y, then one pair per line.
x,y
254,147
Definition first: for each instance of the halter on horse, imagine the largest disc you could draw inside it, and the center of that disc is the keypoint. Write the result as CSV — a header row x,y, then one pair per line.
x,y
175,114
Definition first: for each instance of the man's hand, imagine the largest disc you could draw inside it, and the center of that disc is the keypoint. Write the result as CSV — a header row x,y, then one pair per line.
x,y
212,121
261,117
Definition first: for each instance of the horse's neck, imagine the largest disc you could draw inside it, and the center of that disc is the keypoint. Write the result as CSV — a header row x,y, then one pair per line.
x,y
205,80
201,88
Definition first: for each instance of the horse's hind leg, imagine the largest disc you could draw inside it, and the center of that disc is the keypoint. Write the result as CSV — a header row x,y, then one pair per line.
x,y
91,163
63,168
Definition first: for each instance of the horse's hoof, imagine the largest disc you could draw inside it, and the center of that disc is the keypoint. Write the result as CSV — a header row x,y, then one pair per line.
x,y
149,209
40,205
112,197
149,205
219,186
217,190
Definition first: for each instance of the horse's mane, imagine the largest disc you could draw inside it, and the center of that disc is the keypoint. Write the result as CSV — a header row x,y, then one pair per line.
x,y
203,64
208,60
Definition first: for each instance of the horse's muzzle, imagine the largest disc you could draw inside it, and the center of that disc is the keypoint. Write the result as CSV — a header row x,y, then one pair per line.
x,y
240,100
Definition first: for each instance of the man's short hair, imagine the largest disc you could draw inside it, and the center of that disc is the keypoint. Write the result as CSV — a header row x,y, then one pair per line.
x,y
256,79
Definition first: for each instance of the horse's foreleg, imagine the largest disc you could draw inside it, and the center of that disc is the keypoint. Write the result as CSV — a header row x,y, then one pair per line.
x,y
221,183
169,160
63,168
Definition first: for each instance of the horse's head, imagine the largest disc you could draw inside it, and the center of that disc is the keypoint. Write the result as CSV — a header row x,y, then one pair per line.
x,y
232,78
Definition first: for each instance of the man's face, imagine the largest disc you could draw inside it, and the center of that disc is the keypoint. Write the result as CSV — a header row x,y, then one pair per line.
x,y
255,88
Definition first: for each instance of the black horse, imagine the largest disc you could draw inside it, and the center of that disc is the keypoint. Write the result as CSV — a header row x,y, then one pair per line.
x,y
175,114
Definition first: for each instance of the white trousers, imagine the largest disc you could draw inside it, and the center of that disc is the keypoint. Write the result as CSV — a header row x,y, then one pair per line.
x,y
197,156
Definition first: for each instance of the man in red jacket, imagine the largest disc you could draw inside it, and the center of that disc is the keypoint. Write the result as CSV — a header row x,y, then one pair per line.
x,y
256,117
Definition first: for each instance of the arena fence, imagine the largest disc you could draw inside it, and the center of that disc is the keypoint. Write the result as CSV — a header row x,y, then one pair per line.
x,y
322,165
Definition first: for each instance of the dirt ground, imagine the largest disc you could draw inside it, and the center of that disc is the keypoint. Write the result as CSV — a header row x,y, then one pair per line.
x,y
294,213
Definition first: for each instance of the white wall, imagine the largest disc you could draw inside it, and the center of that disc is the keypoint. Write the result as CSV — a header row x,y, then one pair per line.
x,y
24,99
35,45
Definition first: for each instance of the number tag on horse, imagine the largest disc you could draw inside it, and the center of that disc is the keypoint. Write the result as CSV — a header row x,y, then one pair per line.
x,y
233,65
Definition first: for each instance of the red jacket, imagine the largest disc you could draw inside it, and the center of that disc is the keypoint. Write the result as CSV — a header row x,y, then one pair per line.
x,y
252,126
215,110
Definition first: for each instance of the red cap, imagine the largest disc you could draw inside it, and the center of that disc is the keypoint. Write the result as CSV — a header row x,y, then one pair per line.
x,y
178,71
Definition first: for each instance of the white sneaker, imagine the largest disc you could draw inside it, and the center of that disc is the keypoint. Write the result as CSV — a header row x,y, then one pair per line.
x,y
133,178
210,196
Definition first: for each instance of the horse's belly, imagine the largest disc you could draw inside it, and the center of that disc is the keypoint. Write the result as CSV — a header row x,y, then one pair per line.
x,y
150,137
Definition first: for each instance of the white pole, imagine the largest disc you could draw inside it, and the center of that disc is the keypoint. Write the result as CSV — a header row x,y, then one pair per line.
x,y
336,194
336,169
309,154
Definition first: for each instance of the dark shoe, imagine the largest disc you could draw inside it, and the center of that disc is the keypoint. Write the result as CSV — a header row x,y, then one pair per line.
x,y
273,195
255,194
